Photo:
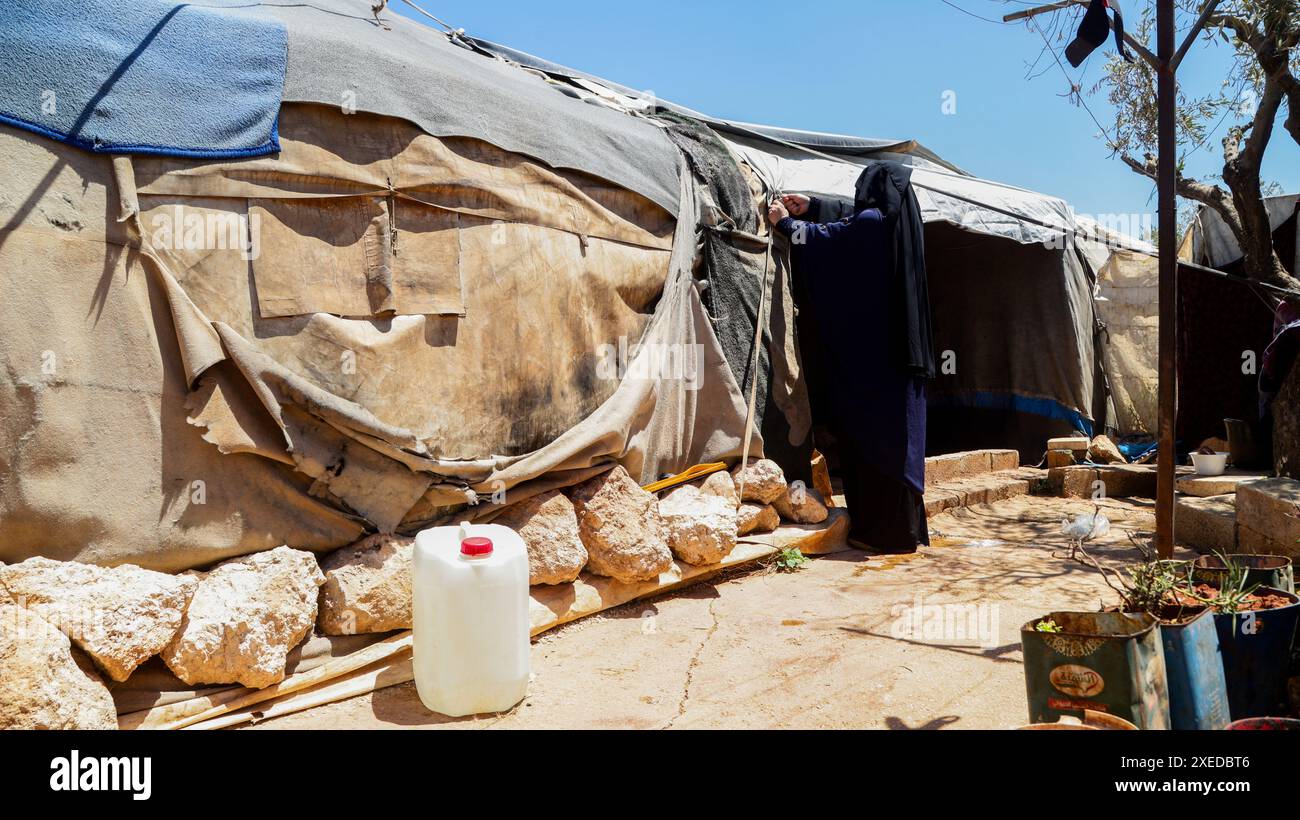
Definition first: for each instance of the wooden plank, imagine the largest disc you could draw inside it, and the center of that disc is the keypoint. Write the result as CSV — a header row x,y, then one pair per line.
x,y
386,673
178,715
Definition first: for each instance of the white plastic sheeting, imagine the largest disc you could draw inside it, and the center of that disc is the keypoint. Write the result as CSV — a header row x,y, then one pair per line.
x,y
973,204
1212,241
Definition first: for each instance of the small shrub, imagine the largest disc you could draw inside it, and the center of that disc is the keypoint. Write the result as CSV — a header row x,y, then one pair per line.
x,y
790,560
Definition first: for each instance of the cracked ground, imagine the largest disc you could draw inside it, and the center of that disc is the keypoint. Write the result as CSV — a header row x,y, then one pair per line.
x,y
838,644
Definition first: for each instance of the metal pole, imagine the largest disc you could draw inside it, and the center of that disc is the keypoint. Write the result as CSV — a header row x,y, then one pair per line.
x,y
1166,95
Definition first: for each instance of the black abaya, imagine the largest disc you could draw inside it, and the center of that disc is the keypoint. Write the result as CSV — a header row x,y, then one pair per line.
x,y
864,277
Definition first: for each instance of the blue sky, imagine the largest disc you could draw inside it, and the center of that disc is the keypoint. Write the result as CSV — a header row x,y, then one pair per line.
x,y
876,68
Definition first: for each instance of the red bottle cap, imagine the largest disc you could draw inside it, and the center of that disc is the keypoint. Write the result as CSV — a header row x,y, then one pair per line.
x,y
476,547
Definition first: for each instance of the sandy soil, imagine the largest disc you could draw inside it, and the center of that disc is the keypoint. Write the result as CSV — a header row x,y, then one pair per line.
x,y
840,643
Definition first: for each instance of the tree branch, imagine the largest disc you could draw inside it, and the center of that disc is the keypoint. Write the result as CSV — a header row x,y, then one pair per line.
x,y
1273,51
1209,195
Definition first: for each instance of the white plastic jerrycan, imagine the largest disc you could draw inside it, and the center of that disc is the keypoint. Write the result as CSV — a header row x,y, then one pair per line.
x,y
470,602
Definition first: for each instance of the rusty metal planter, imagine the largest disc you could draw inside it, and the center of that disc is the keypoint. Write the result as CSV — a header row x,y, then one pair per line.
x,y
1256,649
1105,661
1273,571
1198,693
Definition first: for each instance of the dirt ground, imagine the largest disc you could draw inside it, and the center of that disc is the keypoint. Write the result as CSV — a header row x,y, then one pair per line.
x,y
850,641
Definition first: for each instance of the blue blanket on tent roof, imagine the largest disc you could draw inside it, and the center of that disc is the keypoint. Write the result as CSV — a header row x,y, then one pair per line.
x,y
143,76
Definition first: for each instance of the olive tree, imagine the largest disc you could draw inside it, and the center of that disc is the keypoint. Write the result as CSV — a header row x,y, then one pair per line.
x,y
1262,86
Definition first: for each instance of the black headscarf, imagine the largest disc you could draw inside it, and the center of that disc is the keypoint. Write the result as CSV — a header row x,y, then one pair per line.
x,y
887,187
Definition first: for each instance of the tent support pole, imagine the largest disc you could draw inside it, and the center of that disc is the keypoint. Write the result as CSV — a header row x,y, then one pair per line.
x,y
1165,62
1166,93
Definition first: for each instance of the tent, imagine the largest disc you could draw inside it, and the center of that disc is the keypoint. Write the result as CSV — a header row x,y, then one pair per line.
x,y
296,273
1218,371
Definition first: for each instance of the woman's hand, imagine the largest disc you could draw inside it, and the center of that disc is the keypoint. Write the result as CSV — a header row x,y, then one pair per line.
x,y
776,211
796,204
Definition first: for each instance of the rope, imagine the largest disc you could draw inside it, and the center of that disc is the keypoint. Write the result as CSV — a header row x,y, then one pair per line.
x,y
450,29
759,323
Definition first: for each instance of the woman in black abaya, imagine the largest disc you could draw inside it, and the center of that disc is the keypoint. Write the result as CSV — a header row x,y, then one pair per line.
x,y
864,280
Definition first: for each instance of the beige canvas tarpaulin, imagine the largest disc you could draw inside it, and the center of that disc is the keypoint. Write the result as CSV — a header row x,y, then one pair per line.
x,y
405,324
1128,306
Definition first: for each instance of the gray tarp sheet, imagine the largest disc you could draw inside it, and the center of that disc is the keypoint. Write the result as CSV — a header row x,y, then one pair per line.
x,y
339,56
835,143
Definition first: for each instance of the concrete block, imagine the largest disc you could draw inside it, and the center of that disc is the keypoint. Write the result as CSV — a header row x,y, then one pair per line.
x,y
1009,488
1270,510
1207,524
1128,481
956,466
1060,458
1003,460
937,500
1120,481
1208,485
1073,482
1077,444
1252,541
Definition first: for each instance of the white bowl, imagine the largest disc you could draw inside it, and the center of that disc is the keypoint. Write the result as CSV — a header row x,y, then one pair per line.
x,y
1207,464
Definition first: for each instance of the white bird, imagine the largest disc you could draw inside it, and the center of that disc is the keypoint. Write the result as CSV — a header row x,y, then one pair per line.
x,y
1085,527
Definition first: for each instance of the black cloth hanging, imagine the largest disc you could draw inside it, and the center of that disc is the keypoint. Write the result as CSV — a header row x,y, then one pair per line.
x,y
1093,30
1119,31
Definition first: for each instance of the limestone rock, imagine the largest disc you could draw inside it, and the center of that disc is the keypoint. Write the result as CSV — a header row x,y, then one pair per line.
x,y
764,482
1218,445
367,586
549,526
120,617
756,518
700,527
620,526
45,683
821,477
245,616
802,505
722,485
1103,451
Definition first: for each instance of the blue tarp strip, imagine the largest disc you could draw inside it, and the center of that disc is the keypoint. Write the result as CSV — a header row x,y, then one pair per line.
x,y
990,400
143,76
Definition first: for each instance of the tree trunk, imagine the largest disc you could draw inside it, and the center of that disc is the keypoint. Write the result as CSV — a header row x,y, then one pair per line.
x,y
1256,239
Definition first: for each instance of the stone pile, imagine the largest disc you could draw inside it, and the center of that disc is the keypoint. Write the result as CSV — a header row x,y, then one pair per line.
x,y
67,628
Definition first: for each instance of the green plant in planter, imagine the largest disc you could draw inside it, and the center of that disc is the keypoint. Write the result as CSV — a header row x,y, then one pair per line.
x,y
1047,625
1232,593
1151,585
1147,586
